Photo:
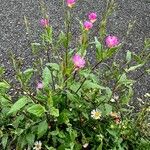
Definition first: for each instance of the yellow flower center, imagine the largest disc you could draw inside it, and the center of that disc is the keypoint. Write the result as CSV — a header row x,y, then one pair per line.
x,y
97,114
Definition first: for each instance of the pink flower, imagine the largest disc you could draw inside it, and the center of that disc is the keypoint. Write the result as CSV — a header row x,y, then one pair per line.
x,y
39,86
92,17
87,25
78,61
44,22
70,3
111,41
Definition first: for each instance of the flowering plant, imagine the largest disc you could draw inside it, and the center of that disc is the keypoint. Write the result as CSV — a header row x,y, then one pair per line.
x,y
74,104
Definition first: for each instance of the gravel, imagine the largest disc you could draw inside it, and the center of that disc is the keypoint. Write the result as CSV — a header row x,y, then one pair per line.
x,y
13,35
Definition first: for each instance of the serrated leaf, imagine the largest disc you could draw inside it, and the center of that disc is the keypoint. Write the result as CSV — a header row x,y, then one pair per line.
x,y
36,109
42,128
18,105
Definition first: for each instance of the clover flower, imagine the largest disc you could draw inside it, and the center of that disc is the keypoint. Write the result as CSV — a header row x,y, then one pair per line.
x,y
111,41
39,86
87,25
92,17
78,61
37,145
44,22
96,114
70,3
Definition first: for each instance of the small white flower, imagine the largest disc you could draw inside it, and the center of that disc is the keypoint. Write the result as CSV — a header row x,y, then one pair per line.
x,y
37,145
85,145
112,100
96,114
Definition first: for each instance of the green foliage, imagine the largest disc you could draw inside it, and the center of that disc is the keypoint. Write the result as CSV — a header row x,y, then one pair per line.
x,y
36,109
18,105
75,107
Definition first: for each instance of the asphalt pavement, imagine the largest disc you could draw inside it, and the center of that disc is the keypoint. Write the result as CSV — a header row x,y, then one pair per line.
x,y
13,34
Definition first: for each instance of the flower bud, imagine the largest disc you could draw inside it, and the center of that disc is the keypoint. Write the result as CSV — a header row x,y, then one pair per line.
x,y
111,41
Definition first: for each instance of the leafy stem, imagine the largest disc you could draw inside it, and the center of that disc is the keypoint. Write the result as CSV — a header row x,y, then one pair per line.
x,y
86,77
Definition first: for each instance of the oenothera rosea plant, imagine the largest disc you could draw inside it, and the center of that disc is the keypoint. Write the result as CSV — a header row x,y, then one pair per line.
x,y
73,103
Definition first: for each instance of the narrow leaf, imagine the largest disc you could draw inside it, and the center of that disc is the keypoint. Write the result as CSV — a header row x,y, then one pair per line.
x,y
18,105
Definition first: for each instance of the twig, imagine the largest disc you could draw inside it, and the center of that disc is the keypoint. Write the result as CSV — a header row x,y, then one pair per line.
x,y
86,77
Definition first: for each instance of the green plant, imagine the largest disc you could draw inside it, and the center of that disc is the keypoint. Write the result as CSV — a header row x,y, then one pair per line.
x,y
75,105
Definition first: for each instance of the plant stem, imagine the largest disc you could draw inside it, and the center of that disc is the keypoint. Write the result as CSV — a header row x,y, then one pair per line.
x,y
48,58
86,77
67,40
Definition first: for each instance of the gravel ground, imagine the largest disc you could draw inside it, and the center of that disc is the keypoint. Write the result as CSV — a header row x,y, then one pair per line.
x,y
13,33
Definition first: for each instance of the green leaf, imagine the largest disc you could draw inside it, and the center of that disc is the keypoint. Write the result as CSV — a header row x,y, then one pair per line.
x,y
4,101
4,140
71,97
50,148
36,109
35,47
63,117
2,70
42,128
4,85
100,146
123,80
28,74
128,56
111,51
137,58
54,112
49,34
30,138
108,109
99,51
127,96
134,67
111,132
50,100
18,105
47,78
91,85
62,39
53,66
